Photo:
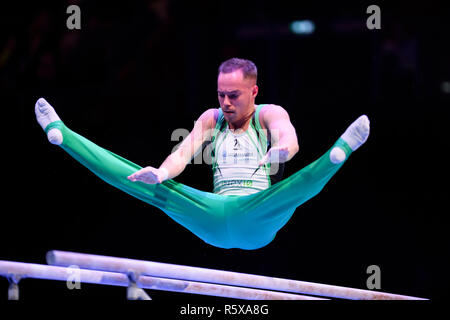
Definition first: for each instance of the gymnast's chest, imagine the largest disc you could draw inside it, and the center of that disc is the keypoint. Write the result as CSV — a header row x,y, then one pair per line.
x,y
237,149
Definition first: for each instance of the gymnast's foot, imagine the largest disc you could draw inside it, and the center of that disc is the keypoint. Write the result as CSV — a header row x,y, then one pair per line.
x,y
45,114
355,135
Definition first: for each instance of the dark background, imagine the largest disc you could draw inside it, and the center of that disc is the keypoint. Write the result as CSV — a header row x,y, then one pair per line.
x,y
136,71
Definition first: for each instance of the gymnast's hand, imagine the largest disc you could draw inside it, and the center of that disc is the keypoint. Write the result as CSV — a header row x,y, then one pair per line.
x,y
275,155
149,175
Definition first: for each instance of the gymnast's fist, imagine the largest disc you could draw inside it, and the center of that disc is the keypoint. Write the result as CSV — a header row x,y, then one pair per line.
x,y
149,175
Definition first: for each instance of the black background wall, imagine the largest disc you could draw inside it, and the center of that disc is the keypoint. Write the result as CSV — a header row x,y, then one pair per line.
x,y
136,71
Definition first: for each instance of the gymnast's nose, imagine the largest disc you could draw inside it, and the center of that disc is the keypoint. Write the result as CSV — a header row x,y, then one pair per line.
x,y
226,101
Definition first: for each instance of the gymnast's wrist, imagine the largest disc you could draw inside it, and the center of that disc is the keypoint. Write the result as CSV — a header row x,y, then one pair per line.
x,y
164,174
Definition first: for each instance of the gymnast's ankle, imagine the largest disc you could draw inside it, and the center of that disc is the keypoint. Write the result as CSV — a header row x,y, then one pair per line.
x,y
337,155
355,136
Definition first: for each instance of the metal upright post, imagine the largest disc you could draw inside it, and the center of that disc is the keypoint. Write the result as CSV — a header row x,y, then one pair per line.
x,y
133,291
13,289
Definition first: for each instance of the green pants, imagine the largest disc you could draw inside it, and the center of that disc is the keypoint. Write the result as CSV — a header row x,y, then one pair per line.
x,y
246,222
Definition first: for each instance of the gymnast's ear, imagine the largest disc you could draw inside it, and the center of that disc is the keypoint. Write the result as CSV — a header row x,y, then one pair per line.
x,y
255,91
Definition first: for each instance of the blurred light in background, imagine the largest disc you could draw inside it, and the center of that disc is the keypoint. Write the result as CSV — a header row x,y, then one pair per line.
x,y
445,86
302,27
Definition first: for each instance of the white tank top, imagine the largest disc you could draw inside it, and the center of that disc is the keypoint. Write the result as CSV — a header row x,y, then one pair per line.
x,y
235,158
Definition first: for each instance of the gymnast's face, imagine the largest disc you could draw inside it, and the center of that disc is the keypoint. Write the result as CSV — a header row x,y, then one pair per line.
x,y
236,96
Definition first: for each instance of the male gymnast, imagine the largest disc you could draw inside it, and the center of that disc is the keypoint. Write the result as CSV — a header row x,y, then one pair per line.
x,y
250,202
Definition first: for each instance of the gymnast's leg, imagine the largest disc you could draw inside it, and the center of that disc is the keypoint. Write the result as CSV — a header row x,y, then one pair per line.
x,y
310,180
105,164
198,211
269,210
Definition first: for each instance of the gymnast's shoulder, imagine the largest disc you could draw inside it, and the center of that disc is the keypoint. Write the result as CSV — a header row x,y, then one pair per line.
x,y
271,113
208,118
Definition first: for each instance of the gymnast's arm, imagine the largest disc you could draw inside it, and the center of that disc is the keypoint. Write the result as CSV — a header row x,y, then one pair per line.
x,y
284,139
176,162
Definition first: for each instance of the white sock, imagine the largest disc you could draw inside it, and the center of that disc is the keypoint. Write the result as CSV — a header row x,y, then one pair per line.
x,y
45,114
355,135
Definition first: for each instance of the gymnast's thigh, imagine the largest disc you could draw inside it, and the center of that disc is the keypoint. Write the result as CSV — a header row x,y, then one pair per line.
x,y
260,213
189,204
202,213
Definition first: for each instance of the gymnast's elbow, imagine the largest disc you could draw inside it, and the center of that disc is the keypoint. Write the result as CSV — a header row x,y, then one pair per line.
x,y
293,149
